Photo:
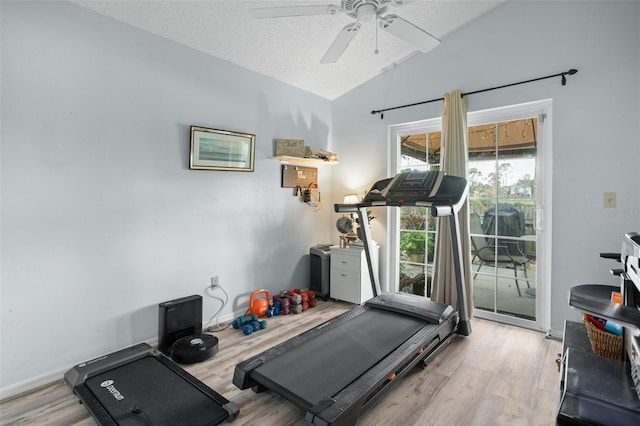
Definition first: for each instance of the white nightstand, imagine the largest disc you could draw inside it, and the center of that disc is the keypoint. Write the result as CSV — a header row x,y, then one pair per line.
x,y
350,279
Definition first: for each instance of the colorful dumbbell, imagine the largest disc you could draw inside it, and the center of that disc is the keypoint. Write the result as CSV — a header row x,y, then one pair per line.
x,y
243,320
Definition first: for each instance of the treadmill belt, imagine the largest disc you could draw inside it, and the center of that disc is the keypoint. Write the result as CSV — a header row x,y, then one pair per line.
x,y
145,392
332,360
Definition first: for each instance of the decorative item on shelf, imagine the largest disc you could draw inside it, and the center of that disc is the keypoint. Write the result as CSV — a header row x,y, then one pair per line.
x,y
326,155
213,149
292,151
290,147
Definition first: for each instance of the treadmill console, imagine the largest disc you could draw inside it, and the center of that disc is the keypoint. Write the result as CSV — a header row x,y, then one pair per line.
x,y
413,186
417,188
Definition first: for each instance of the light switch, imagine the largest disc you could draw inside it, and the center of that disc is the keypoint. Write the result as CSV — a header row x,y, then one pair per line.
x,y
609,200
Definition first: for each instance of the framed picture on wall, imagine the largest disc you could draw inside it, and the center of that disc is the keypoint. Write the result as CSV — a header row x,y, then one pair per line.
x,y
213,149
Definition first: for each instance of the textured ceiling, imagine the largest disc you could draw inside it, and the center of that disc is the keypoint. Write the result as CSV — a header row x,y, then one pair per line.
x,y
290,49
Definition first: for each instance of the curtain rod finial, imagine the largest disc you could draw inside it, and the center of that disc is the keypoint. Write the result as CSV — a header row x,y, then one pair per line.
x,y
374,112
572,71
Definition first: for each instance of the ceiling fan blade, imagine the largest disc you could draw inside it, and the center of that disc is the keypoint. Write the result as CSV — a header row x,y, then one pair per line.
x,y
284,11
408,32
341,43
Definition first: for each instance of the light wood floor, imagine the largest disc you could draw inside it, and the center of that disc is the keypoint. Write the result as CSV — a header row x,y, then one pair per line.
x,y
500,375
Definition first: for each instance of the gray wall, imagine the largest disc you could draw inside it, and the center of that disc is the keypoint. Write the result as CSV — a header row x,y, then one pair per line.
x,y
102,218
596,118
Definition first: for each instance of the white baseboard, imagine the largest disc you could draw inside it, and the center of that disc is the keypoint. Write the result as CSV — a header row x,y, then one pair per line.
x,y
58,374
31,384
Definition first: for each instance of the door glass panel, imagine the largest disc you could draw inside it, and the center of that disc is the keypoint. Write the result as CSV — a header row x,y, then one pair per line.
x,y
502,165
417,227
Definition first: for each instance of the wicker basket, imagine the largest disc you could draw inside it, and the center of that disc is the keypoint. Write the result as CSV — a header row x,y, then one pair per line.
x,y
603,343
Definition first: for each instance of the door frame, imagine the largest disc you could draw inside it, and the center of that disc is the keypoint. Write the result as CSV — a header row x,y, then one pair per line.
x,y
544,184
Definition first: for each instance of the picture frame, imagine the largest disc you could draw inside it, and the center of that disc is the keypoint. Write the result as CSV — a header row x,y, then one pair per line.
x,y
215,149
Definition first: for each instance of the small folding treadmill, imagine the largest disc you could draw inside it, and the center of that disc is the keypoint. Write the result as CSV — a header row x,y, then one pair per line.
x,y
339,368
140,386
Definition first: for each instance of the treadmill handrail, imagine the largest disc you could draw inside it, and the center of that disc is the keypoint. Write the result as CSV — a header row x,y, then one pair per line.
x,y
446,198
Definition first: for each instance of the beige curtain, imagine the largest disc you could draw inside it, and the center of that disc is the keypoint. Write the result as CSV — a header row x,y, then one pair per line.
x,y
453,160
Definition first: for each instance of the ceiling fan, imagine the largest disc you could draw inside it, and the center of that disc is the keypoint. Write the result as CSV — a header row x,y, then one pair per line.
x,y
361,11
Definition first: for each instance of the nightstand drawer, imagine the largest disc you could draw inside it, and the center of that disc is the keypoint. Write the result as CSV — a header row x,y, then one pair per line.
x,y
346,262
342,278
344,285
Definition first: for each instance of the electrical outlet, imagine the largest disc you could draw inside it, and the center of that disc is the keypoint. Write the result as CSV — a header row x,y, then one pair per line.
x,y
609,200
215,282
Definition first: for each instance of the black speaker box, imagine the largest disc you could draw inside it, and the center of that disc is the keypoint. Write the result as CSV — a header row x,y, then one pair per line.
x,y
192,349
177,319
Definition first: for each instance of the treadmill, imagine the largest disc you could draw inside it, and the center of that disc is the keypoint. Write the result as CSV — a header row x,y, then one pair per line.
x,y
139,386
341,367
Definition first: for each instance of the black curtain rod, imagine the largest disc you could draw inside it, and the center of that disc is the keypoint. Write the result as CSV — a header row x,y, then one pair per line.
x,y
572,71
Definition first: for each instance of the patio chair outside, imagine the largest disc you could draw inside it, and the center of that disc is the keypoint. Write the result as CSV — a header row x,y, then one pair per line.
x,y
509,254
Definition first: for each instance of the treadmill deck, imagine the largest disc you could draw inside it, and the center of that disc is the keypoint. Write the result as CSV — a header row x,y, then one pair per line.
x,y
344,352
146,392
139,386
336,369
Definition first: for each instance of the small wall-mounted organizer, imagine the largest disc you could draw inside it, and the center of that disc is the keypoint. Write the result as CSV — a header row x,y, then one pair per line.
x,y
293,152
305,182
299,176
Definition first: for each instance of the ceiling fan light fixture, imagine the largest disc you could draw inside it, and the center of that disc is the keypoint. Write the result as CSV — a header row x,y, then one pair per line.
x,y
366,12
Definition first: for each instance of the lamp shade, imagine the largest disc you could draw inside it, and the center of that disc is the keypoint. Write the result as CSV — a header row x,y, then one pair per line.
x,y
350,199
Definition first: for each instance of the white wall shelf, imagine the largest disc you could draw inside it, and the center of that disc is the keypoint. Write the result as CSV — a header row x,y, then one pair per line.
x,y
285,159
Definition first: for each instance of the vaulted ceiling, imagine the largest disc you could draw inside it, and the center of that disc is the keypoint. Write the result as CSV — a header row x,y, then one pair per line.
x,y
289,49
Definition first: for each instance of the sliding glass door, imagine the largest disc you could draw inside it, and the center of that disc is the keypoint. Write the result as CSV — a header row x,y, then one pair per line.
x,y
509,181
502,179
